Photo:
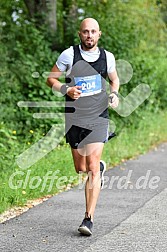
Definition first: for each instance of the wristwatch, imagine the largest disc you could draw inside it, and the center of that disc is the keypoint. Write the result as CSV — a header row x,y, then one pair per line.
x,y
63,89
111,97
115,92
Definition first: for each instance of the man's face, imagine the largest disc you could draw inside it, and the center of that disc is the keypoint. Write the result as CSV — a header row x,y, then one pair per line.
x,y
89,34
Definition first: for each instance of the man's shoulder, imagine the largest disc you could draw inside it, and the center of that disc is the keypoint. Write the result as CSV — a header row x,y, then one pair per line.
x,y
108,53
68,51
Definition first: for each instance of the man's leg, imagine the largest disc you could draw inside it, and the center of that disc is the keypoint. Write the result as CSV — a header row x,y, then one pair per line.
x,y
79,159
93,184
87,160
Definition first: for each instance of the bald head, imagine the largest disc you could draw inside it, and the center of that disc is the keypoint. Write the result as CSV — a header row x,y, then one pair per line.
x,y
89,22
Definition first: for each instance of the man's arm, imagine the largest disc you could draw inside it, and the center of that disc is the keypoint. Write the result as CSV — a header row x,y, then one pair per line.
x,y
114,88
53,82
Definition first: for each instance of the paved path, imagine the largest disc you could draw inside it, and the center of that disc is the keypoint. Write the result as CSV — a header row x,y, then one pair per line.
x,y
131,214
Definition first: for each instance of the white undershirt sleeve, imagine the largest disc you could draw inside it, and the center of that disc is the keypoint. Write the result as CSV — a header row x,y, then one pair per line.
x,y
65,60
110,62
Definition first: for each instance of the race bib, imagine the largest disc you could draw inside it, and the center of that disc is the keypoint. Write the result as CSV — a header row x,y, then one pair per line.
x,y
90,85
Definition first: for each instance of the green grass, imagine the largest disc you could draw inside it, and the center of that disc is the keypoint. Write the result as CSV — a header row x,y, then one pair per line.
x,y
133,141
31,182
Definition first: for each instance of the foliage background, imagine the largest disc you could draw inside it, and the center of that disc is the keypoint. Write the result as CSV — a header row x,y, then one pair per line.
x,y
31,38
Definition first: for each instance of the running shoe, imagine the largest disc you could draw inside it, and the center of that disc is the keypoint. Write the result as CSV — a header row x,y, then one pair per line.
x,y
86,226
102,171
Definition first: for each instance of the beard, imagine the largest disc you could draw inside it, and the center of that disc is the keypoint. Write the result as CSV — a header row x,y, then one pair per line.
x,y
88,45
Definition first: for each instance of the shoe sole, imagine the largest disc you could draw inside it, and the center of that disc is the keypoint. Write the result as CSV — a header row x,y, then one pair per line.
x,y
84,230
102,175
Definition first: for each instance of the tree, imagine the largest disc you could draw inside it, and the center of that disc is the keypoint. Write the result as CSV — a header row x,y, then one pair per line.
x,y
43,11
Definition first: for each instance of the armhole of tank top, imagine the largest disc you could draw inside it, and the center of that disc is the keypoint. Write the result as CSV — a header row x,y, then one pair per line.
x,y
103,53
74,55
76,52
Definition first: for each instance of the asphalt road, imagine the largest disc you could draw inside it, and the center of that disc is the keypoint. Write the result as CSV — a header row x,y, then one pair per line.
x,y
131,214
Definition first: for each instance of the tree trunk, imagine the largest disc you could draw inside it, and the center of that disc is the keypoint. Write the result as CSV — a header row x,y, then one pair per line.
x,y
51,5
70,20
43,11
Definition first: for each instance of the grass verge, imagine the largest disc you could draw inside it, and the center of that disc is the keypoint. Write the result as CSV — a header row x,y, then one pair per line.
x,y
55,172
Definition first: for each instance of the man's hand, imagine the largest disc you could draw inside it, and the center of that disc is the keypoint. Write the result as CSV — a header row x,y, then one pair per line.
x,y
113,100
74,92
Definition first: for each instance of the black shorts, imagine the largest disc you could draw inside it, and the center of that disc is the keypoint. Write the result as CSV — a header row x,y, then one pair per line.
x,y
78,137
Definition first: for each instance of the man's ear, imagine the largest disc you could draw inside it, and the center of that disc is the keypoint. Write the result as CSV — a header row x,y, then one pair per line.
x,y
99,34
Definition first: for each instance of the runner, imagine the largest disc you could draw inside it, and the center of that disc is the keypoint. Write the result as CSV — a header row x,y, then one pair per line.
x,y
86,112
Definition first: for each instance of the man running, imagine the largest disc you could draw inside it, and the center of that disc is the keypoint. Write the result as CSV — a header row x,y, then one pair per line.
x,y
86,111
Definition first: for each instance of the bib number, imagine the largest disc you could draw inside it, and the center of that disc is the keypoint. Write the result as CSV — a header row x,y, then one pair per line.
x,y
90,85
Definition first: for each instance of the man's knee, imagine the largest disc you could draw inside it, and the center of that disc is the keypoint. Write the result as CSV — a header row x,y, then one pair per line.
x,y
93,170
